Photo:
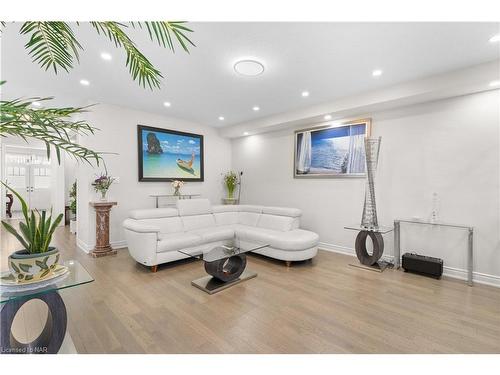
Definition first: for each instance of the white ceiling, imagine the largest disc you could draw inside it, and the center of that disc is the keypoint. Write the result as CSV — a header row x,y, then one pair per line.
x,y
330,60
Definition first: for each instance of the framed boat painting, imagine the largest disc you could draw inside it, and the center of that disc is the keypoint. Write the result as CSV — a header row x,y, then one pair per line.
x,y
167,155
331,151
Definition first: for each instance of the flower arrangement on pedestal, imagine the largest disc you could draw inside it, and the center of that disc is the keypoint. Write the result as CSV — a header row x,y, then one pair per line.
x,y
176,184
102,184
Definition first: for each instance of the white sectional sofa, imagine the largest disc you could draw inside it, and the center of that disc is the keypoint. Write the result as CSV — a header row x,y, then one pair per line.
x,y
154,235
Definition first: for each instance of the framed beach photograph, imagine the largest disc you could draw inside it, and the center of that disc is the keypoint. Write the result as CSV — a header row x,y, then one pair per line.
x,y
331,151
167,155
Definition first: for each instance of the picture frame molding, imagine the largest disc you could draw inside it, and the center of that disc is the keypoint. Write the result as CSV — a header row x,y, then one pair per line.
x,y
140,129
322,126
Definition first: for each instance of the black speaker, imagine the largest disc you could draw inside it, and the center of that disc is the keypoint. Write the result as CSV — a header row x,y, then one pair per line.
x,y
423,265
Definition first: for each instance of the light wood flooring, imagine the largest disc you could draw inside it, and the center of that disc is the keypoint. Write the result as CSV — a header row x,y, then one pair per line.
x,y
323,306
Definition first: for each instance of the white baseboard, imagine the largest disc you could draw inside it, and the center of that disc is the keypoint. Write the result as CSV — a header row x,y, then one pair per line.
x,y
88,248
456,273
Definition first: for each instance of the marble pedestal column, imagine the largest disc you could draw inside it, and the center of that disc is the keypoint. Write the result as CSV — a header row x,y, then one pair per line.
x,y
102,212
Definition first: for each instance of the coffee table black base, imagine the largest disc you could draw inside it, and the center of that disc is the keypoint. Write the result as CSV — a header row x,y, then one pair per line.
x,y
212,285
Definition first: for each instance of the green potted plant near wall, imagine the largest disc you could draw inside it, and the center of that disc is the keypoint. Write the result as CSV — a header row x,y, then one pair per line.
x,y
231,181
38,259
72,208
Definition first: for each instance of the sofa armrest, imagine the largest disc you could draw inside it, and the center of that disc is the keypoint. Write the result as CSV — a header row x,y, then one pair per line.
x,y
135,226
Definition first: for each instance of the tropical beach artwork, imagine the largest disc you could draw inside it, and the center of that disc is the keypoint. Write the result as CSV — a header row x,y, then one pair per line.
x,y
332,151
166,155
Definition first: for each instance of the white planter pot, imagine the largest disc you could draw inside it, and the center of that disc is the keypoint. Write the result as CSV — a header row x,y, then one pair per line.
x,y
72,226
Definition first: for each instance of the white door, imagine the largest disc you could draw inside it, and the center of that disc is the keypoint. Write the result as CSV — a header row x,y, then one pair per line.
x,y
28,173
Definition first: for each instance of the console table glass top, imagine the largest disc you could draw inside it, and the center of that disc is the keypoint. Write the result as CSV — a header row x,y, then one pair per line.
x,y
182,196
380,229
230,248
77,275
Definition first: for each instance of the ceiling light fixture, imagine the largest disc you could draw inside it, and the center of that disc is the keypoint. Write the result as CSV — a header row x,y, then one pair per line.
x,y
246,133
377,73
495,38
305,94
494,83
256,108
328,117
167,104
84,82
36,104
221,118
250,68
106,56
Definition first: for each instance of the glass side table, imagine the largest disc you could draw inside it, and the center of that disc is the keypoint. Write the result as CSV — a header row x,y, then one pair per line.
x,y
470,245
50,339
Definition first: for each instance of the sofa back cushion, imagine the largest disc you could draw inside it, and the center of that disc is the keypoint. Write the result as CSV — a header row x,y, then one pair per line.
x,y
166,224
226,218
188,207
198,221
248,218
275,222
153,213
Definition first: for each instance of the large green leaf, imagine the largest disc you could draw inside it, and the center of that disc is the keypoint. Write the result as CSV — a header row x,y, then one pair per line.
x,y
11,230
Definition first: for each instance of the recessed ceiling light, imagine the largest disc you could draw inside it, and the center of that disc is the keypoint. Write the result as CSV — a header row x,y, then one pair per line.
x,y
246,133
256,108
167,104
106,56
377,73
495,38
36,104
221,118
494,83
305,94
249,68
84,82
328,117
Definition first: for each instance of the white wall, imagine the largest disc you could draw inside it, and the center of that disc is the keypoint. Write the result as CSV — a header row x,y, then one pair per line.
x,y
118,134
69,176
450,147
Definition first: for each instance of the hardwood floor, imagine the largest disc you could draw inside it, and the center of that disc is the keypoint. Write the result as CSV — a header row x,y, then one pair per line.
x,y
323,306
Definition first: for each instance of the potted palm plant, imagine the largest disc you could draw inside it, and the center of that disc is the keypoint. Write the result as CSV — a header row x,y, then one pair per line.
x,y
38,259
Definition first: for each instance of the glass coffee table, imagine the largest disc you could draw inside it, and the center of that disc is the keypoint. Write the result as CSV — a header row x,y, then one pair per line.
x,y
225,264
13,297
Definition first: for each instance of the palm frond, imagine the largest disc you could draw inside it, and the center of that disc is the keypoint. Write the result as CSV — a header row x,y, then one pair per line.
x,y
139,66
53,126
162,31
51,44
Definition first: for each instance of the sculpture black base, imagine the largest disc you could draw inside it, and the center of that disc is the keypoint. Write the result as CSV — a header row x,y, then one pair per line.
x,y
212,285
360,246
52,335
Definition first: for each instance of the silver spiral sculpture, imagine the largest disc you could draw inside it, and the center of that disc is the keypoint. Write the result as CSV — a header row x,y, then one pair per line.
x,y
369,219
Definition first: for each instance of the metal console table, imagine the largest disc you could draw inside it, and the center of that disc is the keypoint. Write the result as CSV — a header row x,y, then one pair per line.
x,y
397,243
182,196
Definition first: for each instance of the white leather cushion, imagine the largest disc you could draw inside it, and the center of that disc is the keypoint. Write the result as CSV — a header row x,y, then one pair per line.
x,y
188,207
215,234
294,240
225,208
248,218
166,224
281,223
226,218
250,208
198,221
177,241
153,213
282,211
